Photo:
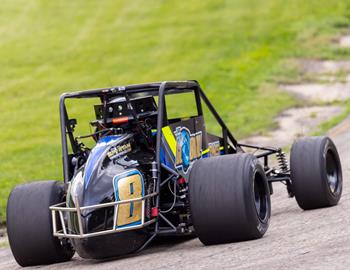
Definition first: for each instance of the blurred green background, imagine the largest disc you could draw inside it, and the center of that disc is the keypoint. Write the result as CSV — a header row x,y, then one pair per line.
x,y
235,49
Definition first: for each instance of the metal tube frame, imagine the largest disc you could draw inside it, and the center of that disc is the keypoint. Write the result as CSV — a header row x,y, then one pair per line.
x,y
156,89
62,209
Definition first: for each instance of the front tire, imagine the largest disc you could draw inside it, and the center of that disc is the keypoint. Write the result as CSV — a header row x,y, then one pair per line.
x,y
229,199
316,173
29,224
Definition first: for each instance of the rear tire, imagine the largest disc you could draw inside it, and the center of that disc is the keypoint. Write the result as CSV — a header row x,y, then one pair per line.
x,y
316,173
29,224
229,199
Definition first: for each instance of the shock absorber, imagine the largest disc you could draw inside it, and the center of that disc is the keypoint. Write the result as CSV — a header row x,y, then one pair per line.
x,y
282,162
284,167
151,189
185,214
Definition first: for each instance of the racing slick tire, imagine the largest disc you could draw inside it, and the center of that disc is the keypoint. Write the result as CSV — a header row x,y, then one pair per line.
x,y
229,199
29,224
316,172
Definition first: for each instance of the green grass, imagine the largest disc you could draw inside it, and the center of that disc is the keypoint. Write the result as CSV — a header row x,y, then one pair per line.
x,y
324,127
234,48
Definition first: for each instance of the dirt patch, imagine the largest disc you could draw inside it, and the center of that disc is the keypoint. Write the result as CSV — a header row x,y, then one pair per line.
x,y
330,81
344,41
297,122
294,123
315,92
314,66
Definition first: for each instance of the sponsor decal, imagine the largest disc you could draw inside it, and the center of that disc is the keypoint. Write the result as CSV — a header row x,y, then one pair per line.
x,y
118,150
214,149
188,148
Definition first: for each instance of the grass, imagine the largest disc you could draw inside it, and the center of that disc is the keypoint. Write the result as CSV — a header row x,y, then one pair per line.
x,y
234,48
324,127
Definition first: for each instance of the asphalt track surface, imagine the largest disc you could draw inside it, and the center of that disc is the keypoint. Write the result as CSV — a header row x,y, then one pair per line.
x,y
296,239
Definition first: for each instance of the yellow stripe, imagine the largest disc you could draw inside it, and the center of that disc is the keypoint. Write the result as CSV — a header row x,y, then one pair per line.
x,y
207,150
170,138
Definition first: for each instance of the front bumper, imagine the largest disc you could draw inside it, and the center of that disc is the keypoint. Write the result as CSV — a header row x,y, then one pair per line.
x,y
62,210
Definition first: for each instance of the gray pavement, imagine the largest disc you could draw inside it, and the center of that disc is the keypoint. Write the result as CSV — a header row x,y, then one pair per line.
x,y
296,239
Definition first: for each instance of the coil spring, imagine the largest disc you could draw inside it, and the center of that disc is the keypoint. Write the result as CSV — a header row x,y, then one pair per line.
x,y
148,201
282,162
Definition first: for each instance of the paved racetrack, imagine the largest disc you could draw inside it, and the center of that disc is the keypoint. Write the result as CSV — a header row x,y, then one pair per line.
x,y
296,239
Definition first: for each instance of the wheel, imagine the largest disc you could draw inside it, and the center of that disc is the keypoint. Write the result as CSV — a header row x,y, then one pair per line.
x,y
229,199
29,224
316,172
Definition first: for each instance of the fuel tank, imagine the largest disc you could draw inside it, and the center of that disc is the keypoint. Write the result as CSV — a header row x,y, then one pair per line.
x,y
99,181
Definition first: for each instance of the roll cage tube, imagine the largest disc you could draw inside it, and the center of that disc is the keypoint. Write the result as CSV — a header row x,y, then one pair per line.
x,y
154,89
199,94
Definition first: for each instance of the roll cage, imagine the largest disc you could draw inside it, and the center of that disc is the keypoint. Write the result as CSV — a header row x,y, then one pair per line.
x,y
153,89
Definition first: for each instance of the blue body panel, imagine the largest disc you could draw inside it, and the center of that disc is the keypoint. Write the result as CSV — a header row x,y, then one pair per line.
x,y
97,154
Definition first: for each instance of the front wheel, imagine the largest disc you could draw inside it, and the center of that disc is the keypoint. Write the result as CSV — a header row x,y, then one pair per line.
x,y
316,173
29,224
229,199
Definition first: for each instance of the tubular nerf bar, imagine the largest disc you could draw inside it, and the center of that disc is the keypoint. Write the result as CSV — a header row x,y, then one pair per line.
x,y
61,209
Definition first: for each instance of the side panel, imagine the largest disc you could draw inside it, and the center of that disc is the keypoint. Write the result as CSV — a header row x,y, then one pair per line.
x,y
185,141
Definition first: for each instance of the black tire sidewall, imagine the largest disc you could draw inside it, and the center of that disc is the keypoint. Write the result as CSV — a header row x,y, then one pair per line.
x,y
29,224
309,172
253,216
328,145
222,199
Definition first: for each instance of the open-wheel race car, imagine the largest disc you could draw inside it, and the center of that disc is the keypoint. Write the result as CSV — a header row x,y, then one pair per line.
x,y
150,173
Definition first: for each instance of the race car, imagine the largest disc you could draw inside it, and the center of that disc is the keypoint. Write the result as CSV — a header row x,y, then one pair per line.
x,y
152,168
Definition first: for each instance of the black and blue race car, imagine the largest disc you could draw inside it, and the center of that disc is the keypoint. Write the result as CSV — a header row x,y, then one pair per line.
x,y
149,169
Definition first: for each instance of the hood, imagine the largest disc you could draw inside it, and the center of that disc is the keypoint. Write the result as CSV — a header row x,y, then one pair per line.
x,y
93,183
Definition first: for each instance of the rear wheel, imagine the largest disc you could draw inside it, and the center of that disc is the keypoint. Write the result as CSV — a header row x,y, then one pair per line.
x,y
316,173
29,224
229,199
